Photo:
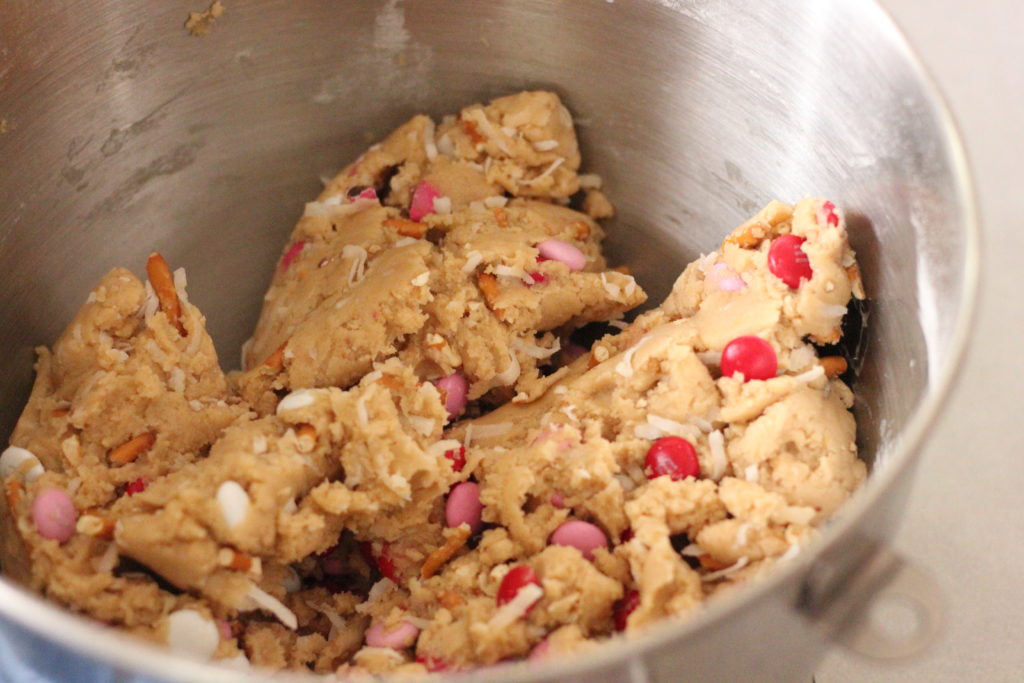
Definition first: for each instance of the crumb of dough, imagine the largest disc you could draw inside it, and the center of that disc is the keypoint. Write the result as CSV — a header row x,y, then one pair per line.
x,y
199,23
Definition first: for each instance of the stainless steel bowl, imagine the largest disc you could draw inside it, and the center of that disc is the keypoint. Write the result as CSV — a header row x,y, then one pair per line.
x,y
122,134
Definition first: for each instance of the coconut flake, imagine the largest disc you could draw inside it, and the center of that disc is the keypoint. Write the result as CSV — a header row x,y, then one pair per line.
x,y
590,181
361,413
442,205
672,428
495,202
190,633
790,553
380,588
338,624
833,311
810,375
473,260
710,357
443,446
714,576
358,256
800,358
423,425
445,145
510,271
625,366
300,398
517,607
610,288
273,605
741,535
692,550
751,472
534,350
716,442
701,424
404,242
545,173
176,380
234,503
429,147
545,145
509,374
421,279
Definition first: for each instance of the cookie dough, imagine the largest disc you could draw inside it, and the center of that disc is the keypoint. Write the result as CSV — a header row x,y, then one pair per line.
x,y
416,468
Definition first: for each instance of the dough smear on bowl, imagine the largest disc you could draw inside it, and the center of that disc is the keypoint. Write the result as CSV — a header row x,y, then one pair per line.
x,y
418,466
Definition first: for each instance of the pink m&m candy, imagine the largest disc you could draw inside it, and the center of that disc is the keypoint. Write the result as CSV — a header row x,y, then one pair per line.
x,y
787,260
673,456
422,204
583,536
464,506
752,356
401,636
726,278
54,515
557,250
454,389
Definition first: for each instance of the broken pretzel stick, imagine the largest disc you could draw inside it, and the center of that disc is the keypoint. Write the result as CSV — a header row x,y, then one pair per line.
x,y
406,227
434,560
130,450
160,278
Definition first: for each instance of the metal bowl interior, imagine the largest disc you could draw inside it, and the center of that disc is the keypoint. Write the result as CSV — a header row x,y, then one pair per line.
x,y
123,134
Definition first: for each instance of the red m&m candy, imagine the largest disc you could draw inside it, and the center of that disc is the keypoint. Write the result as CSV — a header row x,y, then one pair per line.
x,y
787,260
672,456
752,356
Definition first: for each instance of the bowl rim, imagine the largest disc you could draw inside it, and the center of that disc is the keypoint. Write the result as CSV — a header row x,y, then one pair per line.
x,y
86,638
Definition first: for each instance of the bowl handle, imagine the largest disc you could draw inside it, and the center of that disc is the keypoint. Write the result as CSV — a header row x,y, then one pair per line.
x,y
884,607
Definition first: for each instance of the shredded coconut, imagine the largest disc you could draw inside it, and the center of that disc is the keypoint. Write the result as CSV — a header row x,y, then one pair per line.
x,y
545,173
509,374
790,553
714,576
692,550
751,472
545,145
473,259
625,366
710,357
517,607
180,284
300,398
800,358
442,205
273,605
358,256
361,413
741,535
509,271
176,381
429,148
441,447
404,242
495,202
590,181
534,350
810,375
421,279
716,442
423,425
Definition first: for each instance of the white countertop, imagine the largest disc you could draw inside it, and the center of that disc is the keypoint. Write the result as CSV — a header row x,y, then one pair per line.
x,y
965,519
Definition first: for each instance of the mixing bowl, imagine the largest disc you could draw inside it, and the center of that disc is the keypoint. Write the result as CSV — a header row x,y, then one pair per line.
x,y
120,133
